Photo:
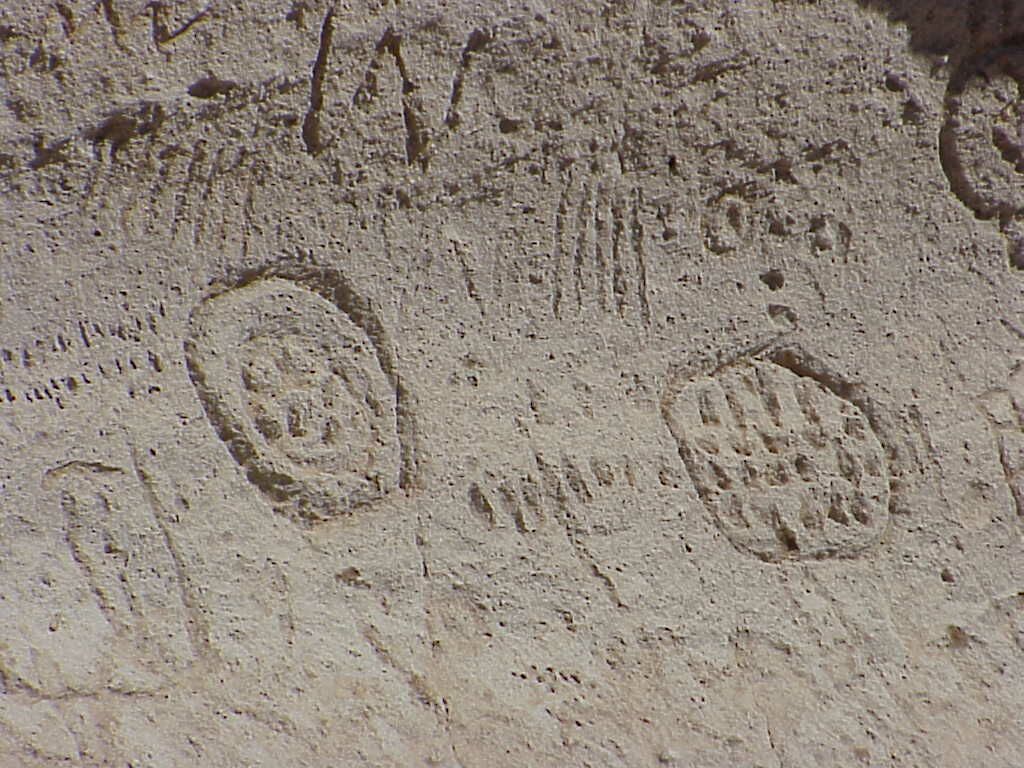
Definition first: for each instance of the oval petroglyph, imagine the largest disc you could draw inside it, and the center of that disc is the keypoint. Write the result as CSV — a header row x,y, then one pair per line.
x,y
787,467
982,140
296,390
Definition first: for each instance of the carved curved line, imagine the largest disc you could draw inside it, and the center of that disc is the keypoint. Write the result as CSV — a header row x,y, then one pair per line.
x,y
971,68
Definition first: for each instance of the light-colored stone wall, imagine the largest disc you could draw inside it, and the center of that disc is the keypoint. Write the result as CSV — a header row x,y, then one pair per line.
x,y
495,384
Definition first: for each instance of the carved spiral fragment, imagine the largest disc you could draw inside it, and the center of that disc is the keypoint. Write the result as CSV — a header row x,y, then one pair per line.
x,y
982,140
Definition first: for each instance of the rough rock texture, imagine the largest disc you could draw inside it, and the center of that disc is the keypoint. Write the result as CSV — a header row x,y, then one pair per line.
x,y
496,384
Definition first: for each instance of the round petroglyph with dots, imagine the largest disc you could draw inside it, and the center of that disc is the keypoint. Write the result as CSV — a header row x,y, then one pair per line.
x,y
982,140
296,390
788,468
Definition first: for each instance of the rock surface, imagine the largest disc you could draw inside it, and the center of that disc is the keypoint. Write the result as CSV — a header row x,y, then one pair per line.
x,y
495,384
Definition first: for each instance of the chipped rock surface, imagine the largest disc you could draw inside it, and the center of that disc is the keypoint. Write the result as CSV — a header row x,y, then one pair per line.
x,y
512,384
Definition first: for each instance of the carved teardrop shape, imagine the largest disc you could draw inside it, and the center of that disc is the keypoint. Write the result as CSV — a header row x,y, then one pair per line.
x,y
295,389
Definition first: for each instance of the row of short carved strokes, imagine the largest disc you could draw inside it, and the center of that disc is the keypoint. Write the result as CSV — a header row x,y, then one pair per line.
x,y
135,329
57,384
535,497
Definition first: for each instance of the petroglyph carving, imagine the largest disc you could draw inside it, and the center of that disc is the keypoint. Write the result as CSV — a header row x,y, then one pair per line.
x,y
599,258
982,141
550,490
292,379
84,356
124,596
1005,412
787,466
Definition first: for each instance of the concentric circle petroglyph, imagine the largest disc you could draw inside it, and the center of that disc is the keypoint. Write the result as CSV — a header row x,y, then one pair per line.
x,y
982,140
296,390
787,467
